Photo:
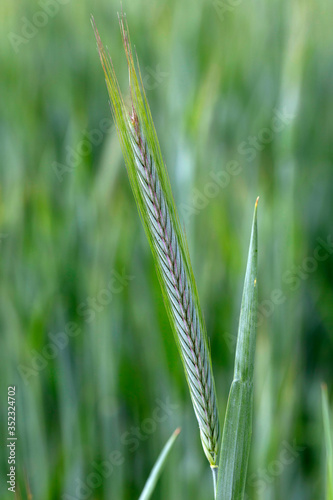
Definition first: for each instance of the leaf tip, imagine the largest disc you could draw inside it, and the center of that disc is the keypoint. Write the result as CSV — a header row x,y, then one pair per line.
x,y
256,203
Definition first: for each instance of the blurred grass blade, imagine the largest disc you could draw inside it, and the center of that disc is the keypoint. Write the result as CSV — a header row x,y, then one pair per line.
x,y
237,429
328,442
157,469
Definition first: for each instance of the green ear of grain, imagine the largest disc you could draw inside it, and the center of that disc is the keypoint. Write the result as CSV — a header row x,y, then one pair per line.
x,y
328,442
237,429
157,469
152,191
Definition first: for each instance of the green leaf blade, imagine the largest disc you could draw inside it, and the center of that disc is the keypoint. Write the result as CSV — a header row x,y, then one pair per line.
x,y
237,431
158,467
328,442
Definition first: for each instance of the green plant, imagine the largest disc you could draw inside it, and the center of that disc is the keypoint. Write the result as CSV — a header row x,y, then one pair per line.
x,y
157,469
328,438
152,191
237,429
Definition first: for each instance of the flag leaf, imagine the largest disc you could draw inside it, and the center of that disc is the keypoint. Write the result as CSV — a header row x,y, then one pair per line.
x,y
237,431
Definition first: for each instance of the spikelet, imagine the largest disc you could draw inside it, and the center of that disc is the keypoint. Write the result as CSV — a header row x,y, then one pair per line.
x,y
152,191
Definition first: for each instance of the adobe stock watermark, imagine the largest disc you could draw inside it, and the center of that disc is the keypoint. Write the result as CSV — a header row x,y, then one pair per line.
x,y
262,478
74,156
230,340
59,341
200,198
293,278
250,147
222,7
131,441
93,305
221,179
151,79
30,27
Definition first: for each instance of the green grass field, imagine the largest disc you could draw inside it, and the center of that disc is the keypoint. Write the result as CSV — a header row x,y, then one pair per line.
x,y
242,101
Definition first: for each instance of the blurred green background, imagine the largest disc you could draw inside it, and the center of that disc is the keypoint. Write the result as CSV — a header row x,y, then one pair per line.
x,y
241,95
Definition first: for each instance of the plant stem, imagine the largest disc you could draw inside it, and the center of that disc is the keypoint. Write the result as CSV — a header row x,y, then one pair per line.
x,y
214,470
